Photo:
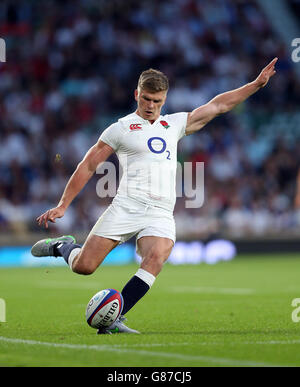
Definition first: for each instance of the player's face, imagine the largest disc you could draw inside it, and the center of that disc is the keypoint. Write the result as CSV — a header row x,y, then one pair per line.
x,y
149,104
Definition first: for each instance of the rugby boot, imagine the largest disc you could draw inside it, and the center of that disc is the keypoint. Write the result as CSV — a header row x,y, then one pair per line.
x,y
117,327
46,247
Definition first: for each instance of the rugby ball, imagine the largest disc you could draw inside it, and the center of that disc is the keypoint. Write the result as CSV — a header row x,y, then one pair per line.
x,y
104,308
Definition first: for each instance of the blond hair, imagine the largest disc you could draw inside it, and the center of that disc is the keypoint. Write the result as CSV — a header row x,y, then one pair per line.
x,y
153,81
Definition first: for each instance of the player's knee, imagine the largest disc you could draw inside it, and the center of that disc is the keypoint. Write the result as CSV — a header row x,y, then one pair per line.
x,y
153,255
158,255
154,260
83,268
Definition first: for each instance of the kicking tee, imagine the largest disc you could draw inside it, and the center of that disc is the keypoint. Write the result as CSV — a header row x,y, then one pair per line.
x,y
148,157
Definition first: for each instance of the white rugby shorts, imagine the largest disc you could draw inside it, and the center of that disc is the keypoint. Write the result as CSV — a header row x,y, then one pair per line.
x,y
124,219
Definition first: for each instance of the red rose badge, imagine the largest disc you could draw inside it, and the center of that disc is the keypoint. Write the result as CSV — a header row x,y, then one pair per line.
x,y
165,124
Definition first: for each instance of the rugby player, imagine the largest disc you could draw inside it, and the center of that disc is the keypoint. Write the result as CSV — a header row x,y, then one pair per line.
x,y
143,206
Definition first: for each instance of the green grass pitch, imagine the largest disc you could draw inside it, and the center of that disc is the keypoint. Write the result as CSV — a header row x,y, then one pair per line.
x,y
236,313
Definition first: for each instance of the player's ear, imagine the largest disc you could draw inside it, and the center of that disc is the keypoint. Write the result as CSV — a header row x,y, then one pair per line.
x,y
136,93
165,98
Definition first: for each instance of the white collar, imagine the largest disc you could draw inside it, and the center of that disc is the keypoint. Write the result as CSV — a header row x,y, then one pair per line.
x,y
144,121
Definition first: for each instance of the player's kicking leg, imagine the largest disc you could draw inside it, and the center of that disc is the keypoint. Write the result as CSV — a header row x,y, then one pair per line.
x,y
81,259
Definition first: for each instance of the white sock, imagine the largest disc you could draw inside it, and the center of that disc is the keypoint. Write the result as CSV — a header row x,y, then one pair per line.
x,y
72,255
146,277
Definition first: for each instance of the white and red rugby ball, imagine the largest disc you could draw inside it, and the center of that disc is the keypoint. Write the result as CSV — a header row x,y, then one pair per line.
x,y
104,308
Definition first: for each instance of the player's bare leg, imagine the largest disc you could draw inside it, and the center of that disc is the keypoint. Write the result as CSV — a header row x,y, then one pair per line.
x,y
92,254
154,252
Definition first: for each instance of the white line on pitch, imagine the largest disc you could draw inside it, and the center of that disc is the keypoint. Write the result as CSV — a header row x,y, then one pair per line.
x,y
111,348
151,345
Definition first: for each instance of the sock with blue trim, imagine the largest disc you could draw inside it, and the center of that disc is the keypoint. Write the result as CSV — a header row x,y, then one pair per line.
x,y
68,251
136,288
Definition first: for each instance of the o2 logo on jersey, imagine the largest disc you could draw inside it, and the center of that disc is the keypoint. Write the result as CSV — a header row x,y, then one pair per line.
x,y
158,145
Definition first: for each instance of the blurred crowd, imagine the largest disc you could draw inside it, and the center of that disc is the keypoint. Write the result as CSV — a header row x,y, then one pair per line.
x,y
71,70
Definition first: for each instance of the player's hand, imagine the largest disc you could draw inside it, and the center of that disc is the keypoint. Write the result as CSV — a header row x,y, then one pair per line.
x,y
50,216
266,73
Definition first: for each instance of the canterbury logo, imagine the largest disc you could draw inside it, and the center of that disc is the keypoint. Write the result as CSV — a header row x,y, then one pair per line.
x,y
135,127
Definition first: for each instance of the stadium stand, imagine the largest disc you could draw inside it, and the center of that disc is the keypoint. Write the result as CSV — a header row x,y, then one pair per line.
x,y
71,70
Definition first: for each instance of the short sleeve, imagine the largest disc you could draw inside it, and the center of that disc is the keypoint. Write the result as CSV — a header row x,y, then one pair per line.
x,y
180,121
111,136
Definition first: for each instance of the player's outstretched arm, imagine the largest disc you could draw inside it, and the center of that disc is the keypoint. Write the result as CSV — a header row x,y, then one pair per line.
x,y
225,102
84,171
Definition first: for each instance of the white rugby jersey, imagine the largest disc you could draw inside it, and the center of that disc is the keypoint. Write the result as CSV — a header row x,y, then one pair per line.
x,y
148,156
